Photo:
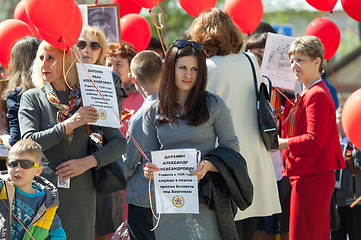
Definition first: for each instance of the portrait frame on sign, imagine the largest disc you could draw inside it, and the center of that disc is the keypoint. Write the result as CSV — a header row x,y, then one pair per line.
x,y
107,18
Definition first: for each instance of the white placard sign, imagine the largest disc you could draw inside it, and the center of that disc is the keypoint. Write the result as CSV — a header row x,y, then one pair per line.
x,y
176,189
275,64
102,76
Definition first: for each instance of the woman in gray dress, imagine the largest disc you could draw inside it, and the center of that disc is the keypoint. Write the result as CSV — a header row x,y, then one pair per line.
x,y
186,116
52,114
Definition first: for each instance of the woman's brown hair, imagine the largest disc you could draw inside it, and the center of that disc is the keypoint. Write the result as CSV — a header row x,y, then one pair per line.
x,y
217,32
196,103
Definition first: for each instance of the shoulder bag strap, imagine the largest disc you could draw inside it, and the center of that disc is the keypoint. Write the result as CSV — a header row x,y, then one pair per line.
x,y
254,75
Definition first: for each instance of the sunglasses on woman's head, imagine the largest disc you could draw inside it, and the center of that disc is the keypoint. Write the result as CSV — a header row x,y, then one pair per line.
x,y
83,44
25,164
184,43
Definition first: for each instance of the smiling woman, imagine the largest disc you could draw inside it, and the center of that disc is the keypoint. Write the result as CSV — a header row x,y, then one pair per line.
x,y
310,143
51,114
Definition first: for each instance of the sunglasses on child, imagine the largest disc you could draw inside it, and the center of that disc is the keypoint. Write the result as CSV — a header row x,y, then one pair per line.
x,y
25,164
83,44
184,43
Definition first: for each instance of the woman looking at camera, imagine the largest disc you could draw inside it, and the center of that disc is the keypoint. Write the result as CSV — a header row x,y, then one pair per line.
x,y
186,116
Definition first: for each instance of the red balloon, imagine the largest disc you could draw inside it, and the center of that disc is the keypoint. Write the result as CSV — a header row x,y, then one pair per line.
x,y
328,32
11,31
147,3
136,30
194,8
20,13
351,117
246,14
127,7
322,5
352,8
52,16
69,38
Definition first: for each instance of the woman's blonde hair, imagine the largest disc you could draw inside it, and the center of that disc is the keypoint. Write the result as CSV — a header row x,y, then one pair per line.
x,y
92,31
69,64
308,45
217,32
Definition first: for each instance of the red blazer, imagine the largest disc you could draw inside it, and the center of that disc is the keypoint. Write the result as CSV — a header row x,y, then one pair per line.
x,y
314,146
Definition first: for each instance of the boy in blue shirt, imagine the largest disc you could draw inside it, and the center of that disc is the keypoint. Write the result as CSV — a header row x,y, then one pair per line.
x,y
28,202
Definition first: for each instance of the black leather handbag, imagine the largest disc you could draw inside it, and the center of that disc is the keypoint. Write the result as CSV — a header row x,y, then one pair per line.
x,y
266,119
109,178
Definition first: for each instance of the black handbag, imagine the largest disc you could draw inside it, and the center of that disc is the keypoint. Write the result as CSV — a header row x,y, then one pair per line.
x,y
266,119
109,178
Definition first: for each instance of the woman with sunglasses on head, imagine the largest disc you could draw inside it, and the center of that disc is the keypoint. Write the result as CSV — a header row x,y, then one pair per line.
x,y
187,116
230,76
52,115
310,144
93,45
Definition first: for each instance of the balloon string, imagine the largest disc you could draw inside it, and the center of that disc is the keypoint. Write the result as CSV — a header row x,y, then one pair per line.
x,y
353,30
334,77
65,74
157,28
151,205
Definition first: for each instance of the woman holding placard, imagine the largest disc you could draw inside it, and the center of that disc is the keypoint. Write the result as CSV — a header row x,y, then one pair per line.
x,y
186,116
93,46
51,114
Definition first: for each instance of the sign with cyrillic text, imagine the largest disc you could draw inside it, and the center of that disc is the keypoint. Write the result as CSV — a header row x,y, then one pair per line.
x,y
102,77
176,189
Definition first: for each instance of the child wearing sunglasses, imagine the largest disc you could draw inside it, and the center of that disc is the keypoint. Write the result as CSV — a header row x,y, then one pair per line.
x,y
28,202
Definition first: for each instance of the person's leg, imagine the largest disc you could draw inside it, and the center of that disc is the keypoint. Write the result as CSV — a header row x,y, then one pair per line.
x,y
353,221
246,228
285,204
140,223
340,233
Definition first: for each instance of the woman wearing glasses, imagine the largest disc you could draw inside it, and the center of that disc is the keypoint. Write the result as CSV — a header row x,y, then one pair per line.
x,y
93,46
51,114
187,116
230,76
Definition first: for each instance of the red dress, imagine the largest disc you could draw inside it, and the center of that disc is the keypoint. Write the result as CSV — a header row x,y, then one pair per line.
x,y
314,152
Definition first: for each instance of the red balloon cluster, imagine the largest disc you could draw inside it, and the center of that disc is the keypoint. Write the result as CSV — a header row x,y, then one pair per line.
x,y
136,30
322,5
246,14
352,8
351,116
328,32
11,31
127,7
194,8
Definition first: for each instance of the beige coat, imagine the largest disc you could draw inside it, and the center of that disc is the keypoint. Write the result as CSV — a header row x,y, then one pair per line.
x,y
231,78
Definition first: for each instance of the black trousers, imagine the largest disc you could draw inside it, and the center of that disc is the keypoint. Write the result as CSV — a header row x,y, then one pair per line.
x,y
350,224
246,228
140,222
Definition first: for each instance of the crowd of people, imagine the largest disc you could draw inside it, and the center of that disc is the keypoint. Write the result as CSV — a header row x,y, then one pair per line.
x,y
198,94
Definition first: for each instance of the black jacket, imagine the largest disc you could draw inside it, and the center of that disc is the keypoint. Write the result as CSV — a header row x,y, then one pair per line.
x,y
230,186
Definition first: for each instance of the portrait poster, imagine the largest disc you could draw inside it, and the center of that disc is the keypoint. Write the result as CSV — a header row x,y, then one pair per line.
x,y
105,17
176,189
276,64
102,76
